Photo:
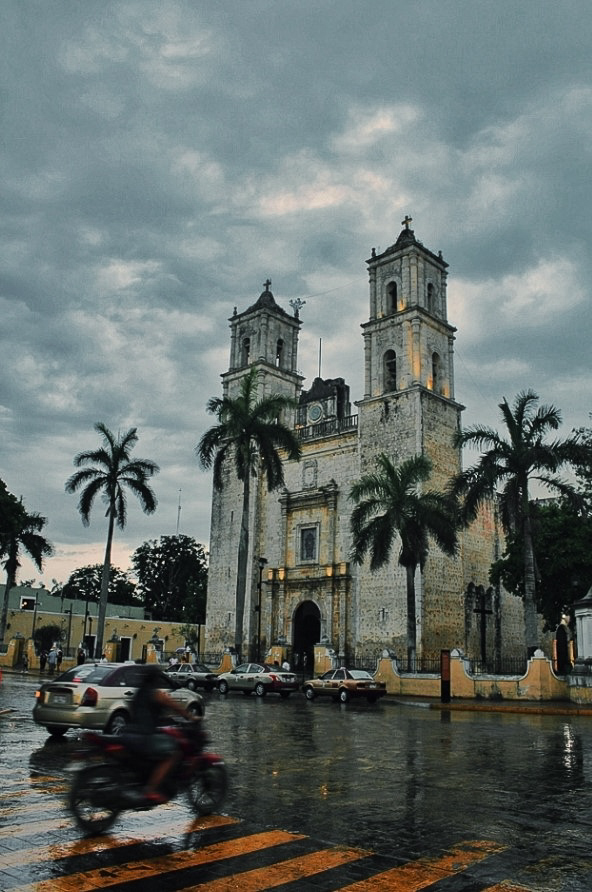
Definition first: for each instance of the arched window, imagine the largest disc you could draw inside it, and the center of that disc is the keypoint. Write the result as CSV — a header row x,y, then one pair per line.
x,y
391,298
436,382
279,349
431,299
246,351
390,370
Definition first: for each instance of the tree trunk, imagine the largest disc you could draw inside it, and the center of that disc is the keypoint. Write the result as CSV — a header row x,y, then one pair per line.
x,y
411,619
241,570
11,565
4,616
531,637
103,600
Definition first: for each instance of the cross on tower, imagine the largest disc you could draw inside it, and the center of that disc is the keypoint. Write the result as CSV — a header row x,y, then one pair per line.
x,y
266,284
406,221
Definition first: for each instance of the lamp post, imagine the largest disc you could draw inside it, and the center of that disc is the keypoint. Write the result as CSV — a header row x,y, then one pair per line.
x,y
262,563
35,616
69,612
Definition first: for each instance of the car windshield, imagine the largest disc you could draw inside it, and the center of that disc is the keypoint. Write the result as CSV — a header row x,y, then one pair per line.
x,y
360,674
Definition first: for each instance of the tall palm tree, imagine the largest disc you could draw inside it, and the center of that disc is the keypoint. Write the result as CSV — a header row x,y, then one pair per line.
x,y
249,433
112,471
512,462
391,506
20,530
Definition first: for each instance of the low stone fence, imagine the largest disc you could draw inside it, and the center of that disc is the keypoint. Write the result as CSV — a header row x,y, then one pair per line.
x,y
539,682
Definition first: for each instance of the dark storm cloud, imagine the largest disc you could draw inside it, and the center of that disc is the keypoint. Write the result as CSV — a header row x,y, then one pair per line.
x,y
160,160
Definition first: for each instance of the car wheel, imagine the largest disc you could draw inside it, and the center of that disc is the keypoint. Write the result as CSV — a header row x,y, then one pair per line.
x,y
191,685
56,730
117,723
260,689
343,696
195,709
223,687
309,693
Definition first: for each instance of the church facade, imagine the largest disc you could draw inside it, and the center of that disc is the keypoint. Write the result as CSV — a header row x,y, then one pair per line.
x,y
303,588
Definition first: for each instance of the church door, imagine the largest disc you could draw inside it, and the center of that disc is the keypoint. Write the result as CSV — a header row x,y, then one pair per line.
x,y
307,633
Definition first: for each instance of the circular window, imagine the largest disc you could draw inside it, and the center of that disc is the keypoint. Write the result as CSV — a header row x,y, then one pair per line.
x,y
315,413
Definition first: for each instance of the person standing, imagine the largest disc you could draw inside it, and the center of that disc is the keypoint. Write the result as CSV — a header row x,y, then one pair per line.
x,y
52,659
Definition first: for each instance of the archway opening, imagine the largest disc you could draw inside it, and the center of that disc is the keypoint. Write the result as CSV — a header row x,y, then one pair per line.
x,y
307,633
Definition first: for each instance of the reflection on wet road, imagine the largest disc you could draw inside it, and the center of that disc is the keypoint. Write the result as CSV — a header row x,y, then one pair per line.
x,y
322,797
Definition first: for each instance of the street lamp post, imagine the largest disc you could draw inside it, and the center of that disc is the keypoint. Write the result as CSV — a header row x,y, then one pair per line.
x,y
262,563
69,612
35,616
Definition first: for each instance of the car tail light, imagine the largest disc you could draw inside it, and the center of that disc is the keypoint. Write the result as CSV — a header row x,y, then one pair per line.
x,y
274,677
39,695
90,697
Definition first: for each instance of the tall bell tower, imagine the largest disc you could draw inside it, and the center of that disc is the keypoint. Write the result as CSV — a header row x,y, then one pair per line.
x,y
408,406
266,336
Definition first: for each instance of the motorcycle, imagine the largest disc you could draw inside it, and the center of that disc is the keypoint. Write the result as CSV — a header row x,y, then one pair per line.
x,y
108,768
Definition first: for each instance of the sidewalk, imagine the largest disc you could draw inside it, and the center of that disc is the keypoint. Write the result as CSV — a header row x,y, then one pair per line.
x,y
532,707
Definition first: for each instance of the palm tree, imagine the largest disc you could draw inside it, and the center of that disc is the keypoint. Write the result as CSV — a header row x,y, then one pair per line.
x,y
249,433
112,470
390,505
513,462
20,530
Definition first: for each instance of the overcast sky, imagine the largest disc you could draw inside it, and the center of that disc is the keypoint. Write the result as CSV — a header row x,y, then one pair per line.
x,y
159,160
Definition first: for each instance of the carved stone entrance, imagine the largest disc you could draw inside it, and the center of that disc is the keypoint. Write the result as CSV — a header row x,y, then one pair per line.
x,y
307,633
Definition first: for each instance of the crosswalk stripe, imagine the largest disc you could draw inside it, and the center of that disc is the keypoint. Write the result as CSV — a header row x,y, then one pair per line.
x,y
96,844
283,872
90,880
418,874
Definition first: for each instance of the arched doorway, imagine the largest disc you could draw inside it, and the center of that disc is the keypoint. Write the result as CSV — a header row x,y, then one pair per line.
x,y
307,633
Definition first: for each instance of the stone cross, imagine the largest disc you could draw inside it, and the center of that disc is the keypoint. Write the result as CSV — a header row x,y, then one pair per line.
x,y
406,221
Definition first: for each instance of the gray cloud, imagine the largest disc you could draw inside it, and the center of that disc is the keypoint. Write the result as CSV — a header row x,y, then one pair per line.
x,y
159,161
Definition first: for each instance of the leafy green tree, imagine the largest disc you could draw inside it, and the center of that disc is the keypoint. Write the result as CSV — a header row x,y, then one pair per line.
x,y
84,583
45,636
112,471
513,462
172,578
392,508
250,435
561,538
584,470
19,531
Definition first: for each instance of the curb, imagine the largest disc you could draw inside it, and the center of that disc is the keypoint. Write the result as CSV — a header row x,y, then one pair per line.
x,y
528,708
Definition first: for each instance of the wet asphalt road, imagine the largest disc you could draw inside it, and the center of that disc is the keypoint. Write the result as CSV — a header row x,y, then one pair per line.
x,y
402,781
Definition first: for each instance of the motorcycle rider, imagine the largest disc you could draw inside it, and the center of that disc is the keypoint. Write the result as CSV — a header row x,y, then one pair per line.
x,y
149,707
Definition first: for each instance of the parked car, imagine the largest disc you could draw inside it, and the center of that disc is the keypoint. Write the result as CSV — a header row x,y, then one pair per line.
x,y
193,675
98,696
260,678
343,684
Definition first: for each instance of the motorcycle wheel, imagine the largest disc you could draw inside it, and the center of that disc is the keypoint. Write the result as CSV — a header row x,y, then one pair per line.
x,y
93,796
207,789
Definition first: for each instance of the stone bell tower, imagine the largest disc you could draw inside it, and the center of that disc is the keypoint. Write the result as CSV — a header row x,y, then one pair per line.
x,y
263,337
409,409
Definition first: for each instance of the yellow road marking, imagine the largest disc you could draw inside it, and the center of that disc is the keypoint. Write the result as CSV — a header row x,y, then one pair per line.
x,y
96,844
421,873
90,880
284,872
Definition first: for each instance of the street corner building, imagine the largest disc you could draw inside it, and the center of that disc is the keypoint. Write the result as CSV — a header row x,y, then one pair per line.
x,y
302,587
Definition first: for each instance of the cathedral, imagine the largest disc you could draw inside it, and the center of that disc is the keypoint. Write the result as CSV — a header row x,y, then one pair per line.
x,y
303,588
